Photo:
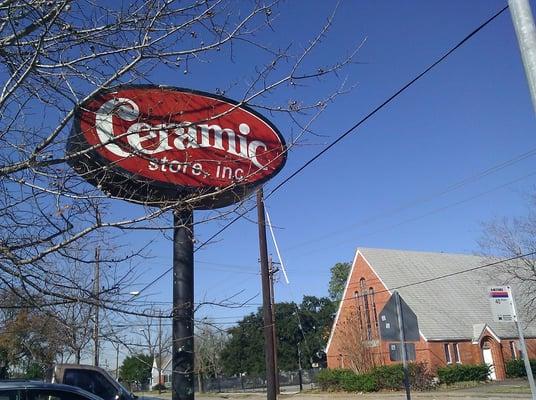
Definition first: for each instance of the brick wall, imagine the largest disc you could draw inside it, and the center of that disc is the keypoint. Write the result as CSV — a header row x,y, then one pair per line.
x,y
352,315
349,310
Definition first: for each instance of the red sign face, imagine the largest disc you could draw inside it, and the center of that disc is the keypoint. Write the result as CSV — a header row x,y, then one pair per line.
x,y
162,144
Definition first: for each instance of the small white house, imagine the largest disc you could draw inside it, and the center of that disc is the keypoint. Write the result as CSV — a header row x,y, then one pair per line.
x,y
165,371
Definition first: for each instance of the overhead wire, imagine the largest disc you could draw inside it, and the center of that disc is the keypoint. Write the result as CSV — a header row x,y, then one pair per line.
x,y
440,209
450,274
343,135
423,199
386,102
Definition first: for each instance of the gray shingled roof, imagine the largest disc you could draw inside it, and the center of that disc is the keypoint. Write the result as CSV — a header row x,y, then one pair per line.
x,y
447,308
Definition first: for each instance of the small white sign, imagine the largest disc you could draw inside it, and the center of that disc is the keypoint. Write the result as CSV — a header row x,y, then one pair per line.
x,y
502,306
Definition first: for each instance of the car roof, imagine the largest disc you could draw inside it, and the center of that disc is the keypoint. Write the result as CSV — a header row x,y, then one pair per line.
x,y
29,384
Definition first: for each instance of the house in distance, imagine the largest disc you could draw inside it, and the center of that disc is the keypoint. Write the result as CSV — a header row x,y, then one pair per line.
x,y
448,293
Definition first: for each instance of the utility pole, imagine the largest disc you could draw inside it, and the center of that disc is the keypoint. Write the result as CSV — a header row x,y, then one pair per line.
x,y
273,270
96,295
300,378
271,393
526,38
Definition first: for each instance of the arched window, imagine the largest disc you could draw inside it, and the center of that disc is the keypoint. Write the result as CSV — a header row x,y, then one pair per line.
x,y
358,309
374,312
366,307
367,316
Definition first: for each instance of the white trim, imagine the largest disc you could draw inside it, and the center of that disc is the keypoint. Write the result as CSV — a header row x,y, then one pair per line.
x,y
336,320
357,253
375,273
457,354
513,349
386,288
492,334
448,354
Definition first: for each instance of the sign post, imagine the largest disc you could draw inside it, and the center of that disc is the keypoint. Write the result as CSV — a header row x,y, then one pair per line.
x,y
180,149
503,308
182,360
403,344
399,322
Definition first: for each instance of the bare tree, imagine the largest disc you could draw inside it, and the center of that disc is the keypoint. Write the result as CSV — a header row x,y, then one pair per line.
x,y
55,56
209,344
359,352
154,333
504,238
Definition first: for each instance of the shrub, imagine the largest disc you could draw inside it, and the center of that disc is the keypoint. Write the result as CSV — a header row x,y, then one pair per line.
x,y
420,376
331,379
391,377
516,368
359,383
462,373
388,377
347,380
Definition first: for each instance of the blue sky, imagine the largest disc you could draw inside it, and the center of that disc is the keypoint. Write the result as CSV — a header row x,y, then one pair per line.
x,y
471,113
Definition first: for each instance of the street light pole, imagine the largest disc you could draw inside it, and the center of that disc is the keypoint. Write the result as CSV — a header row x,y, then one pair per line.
x,y
117,361
96,294
526,38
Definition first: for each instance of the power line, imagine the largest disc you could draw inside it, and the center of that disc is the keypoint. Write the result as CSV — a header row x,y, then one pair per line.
x,y
343,135
432,196
464,271
386,102
431,212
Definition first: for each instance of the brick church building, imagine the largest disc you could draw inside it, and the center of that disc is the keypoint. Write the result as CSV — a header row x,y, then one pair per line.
x,y
454,313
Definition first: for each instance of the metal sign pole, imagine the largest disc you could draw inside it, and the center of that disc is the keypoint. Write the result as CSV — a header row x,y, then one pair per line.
x,y
402,344
526,37
183,306
530,377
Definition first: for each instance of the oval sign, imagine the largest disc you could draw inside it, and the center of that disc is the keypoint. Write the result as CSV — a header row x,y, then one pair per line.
x,y
157,144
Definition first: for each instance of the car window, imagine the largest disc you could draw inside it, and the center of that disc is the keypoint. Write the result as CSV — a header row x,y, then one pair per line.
x,y
91,381
10,395
45,394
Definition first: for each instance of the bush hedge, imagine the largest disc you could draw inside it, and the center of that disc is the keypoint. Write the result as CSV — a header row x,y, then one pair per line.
x,y
345,379
516,368
359,383
388,377
391,377
462,373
